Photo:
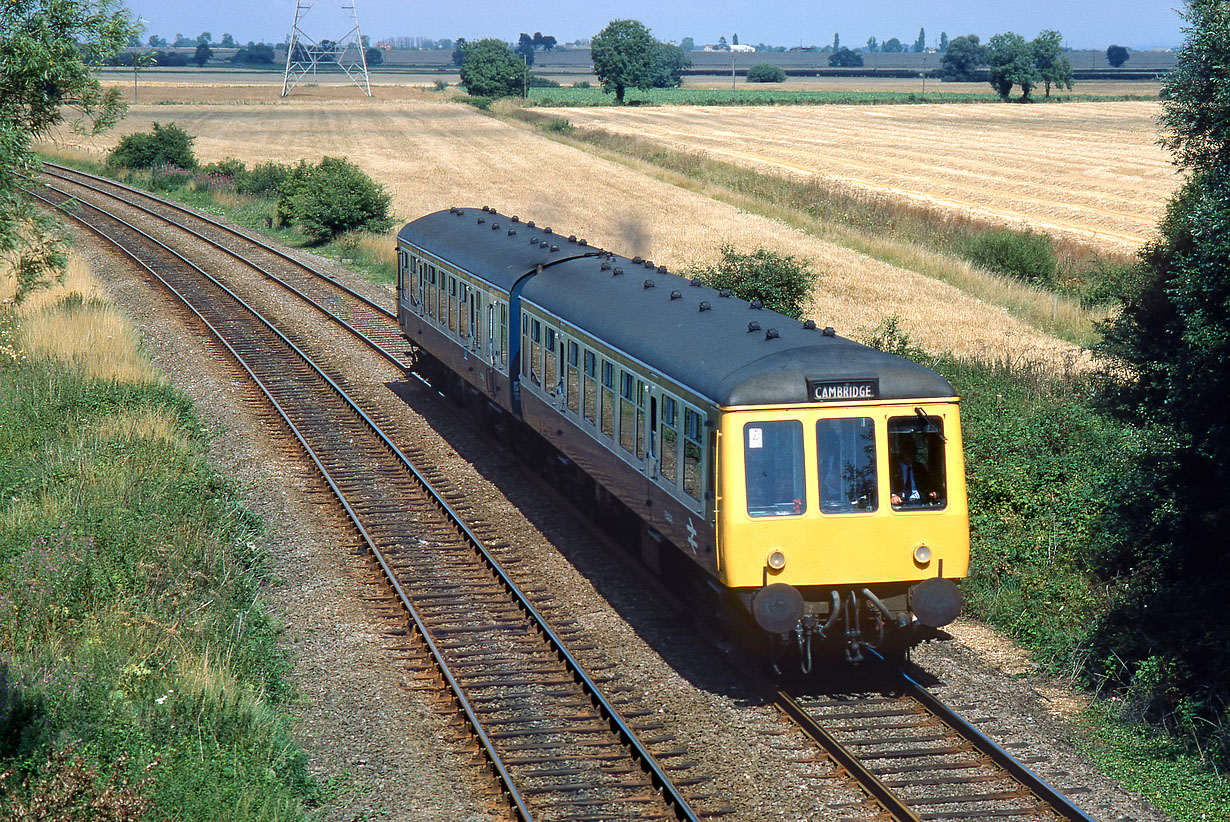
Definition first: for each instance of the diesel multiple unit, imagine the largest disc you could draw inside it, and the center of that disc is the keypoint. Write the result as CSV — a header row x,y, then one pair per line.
x,y
815,483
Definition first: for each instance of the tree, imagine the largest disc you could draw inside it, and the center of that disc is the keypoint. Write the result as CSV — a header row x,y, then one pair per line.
x,y
459,51
1166,532
920,45
845,58
623,55
668,65
166,145
1116,56
892,45
872,45
687,44
373,56
734,40
490,69
943,41
1011,60
259,54
782,282
836,41
962,59
202,54
766,73
228,42
1053,65
721,44
46,80
157,42
544,42
525,49
204,39
182,42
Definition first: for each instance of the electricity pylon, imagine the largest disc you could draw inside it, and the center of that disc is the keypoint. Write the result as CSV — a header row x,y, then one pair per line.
x,y
305,54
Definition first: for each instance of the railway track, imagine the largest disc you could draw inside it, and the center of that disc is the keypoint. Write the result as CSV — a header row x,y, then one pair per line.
x,y
918,759
564,742
914,758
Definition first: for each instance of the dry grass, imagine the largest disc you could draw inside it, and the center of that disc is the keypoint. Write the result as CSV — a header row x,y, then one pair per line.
x,y
431,155
1092,171
89,333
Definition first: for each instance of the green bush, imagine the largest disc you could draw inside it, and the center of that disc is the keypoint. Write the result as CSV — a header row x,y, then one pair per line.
x,y
766,73
166,145
1025,255
490,69
581,84
559,125
542,82
781,281
266,178
333,197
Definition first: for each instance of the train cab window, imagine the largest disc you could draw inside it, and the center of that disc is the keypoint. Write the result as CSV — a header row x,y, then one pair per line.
x,y
572,382
589,404
916,474
607,414
846,456
668,462
773,468
693,432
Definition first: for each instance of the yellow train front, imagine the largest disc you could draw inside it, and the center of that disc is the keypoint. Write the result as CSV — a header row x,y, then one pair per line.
x,y
844,521
815,484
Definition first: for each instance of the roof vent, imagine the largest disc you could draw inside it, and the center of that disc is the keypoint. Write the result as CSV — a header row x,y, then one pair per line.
x,y
696,281
516,219
572,238
661,269
452,209
753,326
530,224
756,303
512,232
481,221
649,283
676,295
617,271
809,325
555,248
605,266
485,209
495,226
547,230
637,261
649,264
829,332
460,213
582,241
704,305
725,292
771,334
533,241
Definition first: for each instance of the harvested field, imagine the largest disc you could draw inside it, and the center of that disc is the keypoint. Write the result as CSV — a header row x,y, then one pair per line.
x,y
1092,171
432,155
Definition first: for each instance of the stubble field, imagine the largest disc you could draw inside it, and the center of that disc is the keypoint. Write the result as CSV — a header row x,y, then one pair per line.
x,y
1092,171
432,154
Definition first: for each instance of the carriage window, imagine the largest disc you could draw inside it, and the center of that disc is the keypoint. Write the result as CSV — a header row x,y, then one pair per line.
x,y
431,290
452,303
442,301
669,461
846,453
607,414
916,475
692,433
572,386
773,467
550,373
535,352
590,404
627,411
463,312
503,338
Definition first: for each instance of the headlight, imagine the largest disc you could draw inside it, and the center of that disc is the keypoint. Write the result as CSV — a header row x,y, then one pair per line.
x,y
922,555
776,560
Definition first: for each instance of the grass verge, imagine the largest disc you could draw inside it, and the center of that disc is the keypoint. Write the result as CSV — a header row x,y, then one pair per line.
x,y
571,97
135,651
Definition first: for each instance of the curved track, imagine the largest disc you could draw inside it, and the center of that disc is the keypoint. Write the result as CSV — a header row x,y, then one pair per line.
x,y
560,746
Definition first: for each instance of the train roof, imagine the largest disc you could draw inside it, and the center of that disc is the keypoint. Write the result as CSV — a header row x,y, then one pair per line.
x,y
719,346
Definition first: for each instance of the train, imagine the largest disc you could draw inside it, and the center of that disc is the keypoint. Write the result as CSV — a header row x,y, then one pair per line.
x,y
811,488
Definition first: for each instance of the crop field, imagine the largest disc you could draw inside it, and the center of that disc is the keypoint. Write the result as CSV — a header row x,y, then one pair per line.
x,y
1091,170
432,154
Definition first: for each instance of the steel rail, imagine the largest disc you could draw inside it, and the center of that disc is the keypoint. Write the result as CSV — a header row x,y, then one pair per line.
x,y
624,731
377,347
230,230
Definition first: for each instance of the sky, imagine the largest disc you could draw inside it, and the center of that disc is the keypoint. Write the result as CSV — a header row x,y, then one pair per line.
x,y
1085,24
